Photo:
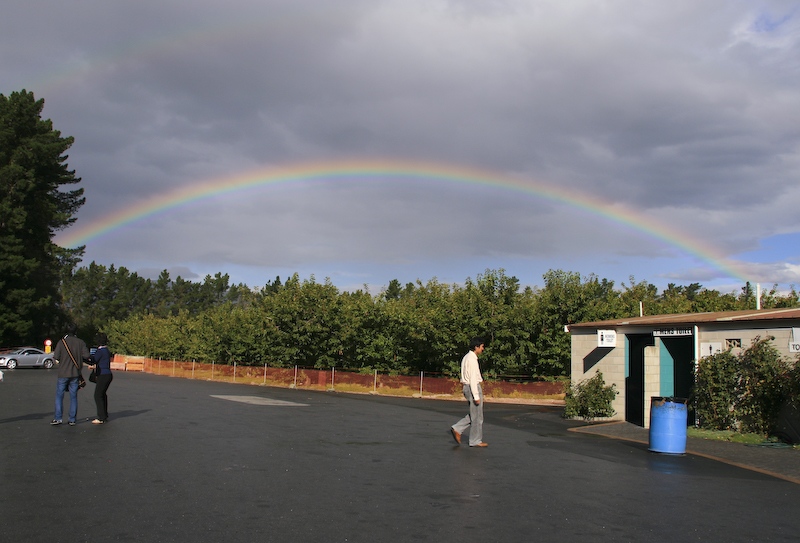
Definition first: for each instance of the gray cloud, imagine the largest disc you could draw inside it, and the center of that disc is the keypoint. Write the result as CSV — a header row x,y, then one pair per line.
x,y
686,113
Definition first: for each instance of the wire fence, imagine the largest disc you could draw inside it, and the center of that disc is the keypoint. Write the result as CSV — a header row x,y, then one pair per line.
x,y
422,385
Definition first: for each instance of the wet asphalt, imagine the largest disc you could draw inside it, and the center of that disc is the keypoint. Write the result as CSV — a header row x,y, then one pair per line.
x,y
197,461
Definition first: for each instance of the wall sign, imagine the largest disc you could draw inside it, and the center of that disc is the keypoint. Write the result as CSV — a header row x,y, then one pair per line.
x,y
708,348
794,344
606,338
672,332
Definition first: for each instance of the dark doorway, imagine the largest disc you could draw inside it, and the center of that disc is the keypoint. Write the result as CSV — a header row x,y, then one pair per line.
x,y
681,349
634,382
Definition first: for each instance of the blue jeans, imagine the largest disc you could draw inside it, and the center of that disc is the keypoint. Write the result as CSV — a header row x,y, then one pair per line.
x,y
61,386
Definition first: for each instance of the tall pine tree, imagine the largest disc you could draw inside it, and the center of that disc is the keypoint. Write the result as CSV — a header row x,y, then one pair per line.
x,y
32,209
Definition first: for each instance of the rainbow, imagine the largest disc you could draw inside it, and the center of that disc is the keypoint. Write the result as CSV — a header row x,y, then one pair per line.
x,y
376,170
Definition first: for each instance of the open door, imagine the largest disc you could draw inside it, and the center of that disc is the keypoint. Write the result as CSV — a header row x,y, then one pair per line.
x,y
634,380
681,358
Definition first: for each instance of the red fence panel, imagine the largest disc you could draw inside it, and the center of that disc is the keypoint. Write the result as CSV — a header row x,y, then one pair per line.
x,y
432,385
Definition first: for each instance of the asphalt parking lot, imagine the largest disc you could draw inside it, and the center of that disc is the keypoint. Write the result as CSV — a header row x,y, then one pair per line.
x,y
185,460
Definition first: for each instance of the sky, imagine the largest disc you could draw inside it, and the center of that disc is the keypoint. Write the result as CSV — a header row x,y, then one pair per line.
x,y
361,141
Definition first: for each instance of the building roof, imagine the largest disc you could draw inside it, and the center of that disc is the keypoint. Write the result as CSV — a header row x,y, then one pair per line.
x,y
747,315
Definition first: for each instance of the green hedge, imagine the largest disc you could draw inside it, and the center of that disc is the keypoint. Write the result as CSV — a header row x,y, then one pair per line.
x,y
745,392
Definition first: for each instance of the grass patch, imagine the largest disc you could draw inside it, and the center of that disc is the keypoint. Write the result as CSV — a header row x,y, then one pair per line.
x,y
361,389
735,437
726,435
521,395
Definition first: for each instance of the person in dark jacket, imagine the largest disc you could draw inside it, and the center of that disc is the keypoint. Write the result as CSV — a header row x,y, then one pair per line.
x,y
70,352
100,361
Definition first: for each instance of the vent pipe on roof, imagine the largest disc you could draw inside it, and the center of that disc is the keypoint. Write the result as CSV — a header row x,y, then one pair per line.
x,y
641,309
758,295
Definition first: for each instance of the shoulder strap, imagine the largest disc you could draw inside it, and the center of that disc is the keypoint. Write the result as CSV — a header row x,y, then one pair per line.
x,y
70,352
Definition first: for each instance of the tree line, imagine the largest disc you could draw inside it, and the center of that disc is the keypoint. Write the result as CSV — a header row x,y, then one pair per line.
x,y
404,328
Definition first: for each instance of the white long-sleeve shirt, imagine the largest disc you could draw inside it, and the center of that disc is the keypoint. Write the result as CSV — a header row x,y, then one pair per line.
x,y
471,373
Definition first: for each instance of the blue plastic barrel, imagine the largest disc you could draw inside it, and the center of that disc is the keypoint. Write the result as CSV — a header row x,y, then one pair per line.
x,y
668,425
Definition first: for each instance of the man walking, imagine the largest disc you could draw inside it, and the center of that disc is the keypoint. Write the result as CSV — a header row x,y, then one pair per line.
x,y
70,352
473,391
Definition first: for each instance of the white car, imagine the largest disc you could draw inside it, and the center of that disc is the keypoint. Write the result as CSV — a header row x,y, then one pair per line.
x,y
26,357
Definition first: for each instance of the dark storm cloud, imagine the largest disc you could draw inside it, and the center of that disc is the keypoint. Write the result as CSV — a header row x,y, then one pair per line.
x,y
684,112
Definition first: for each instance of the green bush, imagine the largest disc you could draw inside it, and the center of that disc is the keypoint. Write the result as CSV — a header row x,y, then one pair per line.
x,y
590,399
744,392
763,386
716,379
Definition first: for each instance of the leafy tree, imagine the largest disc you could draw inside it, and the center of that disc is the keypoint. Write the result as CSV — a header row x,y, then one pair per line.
x,y
272,287
224,334
32,209
369,338
711,300
639,295
141,335
678,299
489,307
160,302
565,299
393,291
306,317
95,295
431,336
771,299
747,298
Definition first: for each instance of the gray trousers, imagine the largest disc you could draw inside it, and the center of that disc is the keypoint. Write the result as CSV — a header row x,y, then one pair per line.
x,y
474,421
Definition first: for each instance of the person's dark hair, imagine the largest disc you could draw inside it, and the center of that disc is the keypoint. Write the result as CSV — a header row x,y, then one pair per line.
x,y
476,342
100,339
71,329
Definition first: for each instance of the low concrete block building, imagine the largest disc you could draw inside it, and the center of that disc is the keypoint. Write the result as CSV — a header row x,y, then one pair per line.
x,y
654,356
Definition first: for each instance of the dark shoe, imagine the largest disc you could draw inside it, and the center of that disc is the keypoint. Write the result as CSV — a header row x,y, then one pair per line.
x,y
71,423
456,435
480,445
55,422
